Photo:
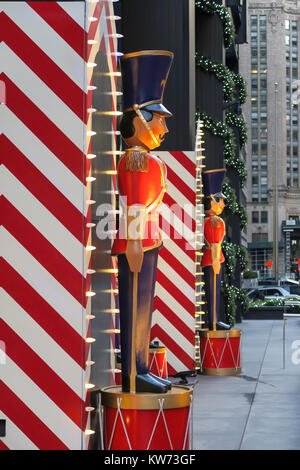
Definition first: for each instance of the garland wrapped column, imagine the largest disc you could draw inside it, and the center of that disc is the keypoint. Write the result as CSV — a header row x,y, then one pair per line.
x,y
234,89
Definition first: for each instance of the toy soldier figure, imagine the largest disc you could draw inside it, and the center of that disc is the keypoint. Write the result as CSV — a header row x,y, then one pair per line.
x,y
214,232
142,184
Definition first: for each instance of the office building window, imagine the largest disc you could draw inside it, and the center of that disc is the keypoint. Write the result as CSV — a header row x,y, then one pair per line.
x,y
259,111
255,217
259,237
264,217
292,119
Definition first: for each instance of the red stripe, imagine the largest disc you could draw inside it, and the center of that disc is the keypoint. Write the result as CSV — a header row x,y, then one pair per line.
x,y
178,210
3,446
62,23
182,328
171,370
35,58
40,248
181,186
175,292
185,162
44,377
54,325
185,246
41,126
177,266
27,421
41,188
158,332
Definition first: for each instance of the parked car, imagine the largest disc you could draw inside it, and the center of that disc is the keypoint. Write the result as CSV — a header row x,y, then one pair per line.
x,y
274,292
292,288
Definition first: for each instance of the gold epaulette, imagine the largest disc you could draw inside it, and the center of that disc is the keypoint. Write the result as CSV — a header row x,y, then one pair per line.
x,y
136,159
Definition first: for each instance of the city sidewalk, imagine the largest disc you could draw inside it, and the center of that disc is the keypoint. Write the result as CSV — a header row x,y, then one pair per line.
x,y
260,409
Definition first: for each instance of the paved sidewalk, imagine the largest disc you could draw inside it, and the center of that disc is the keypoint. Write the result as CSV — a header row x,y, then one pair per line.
x,y
260,409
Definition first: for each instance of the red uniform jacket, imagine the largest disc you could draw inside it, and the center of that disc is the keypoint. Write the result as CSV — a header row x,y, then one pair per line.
x,y
146,187
212,235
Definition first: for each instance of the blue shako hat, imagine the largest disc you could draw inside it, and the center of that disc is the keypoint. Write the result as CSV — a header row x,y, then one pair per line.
x,y
212,182
144,76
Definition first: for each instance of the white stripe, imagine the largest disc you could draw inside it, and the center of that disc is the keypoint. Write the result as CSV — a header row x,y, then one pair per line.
x,y
42,96
176,279
173,360
41,219
172,331
178,196
76,10
190,154
14,438
180,170
176,308
41,280
41,343
47,39
180,255
41,405
43,159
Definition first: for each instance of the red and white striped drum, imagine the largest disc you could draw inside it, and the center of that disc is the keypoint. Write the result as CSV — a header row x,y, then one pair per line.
x,y
147,421
220,352
158,362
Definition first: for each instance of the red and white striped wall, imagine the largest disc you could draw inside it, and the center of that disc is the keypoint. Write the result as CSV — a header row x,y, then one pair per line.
x,y
46,55
173,321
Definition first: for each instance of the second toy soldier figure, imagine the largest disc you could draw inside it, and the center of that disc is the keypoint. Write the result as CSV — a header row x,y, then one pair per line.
x,y
214,232
142,184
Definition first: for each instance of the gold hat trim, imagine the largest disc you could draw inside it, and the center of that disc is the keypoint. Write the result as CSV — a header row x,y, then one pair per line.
x,y
149,52
214,171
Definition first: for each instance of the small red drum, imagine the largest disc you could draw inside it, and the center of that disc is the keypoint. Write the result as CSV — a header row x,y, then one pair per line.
x,y
220,352
147,421
158,362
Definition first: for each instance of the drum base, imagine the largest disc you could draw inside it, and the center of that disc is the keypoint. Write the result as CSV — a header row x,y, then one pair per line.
x,y
220,352
222,371
147,421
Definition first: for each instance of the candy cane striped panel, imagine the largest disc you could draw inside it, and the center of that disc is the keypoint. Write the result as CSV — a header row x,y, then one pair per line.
x,y
173,321
44,73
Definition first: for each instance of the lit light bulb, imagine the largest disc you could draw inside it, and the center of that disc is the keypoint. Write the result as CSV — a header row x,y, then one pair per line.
x,y
90,340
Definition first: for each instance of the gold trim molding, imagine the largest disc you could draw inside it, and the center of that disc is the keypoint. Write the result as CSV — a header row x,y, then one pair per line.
x,y
178,397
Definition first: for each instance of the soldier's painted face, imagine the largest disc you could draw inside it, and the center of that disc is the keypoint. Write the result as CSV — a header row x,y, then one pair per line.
x,y
217,206
144,137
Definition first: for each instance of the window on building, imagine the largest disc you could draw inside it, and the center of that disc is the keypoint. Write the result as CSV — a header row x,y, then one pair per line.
x,y
264,217
259,237
255,217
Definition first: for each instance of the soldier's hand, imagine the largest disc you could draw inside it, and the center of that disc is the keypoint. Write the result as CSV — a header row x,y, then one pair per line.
x,y
135,255
216,265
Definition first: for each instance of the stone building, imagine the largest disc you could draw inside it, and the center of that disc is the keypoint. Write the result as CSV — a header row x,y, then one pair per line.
x,y
269,63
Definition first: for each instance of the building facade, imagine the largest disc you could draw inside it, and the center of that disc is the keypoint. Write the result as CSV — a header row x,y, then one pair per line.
x,y
269,63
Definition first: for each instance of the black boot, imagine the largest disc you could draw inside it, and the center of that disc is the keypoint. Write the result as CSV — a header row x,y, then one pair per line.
x,y
163,381
148,383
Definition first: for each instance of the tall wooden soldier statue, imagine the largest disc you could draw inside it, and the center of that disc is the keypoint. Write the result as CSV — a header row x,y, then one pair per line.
x,y
142,184
214,232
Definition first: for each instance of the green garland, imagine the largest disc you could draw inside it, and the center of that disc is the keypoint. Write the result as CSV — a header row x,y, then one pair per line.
x,y
231,81
222,130
222,73
240,84
233,120
211,8
233,207
233,294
